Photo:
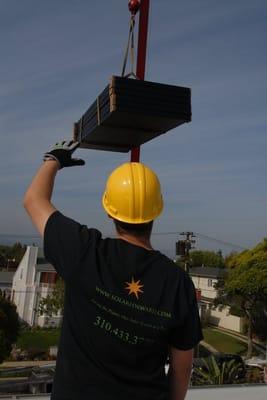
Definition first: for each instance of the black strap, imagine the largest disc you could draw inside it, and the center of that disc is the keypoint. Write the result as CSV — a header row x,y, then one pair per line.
x,y
130,43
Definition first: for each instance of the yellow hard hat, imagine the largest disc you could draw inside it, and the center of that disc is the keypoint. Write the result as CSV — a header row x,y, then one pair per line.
x,y
133,194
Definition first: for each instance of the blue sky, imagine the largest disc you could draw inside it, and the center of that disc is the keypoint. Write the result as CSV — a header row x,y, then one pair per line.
x,y
56,57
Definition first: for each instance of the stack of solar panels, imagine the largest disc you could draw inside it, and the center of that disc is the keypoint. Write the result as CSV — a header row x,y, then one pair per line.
x,y
130,112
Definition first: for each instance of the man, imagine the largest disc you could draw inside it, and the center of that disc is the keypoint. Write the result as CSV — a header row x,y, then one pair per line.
x,y
127,307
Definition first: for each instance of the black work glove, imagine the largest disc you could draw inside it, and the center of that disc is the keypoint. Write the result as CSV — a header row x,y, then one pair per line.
x,y
62,153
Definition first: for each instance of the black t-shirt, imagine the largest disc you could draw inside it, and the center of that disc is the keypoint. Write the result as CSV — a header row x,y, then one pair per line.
x,y
124,306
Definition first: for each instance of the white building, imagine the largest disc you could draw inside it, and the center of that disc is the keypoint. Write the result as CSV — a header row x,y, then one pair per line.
x,y
33,280
6,279
204,279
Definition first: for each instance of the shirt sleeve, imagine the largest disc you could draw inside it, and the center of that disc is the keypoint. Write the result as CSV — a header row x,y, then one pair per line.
x,y
188,333
66,243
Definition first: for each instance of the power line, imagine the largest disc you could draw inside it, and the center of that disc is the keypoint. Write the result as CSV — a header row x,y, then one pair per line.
x,y
221,241
225,243
203,236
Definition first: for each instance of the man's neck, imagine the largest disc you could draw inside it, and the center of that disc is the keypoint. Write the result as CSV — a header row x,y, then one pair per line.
x,y
141,242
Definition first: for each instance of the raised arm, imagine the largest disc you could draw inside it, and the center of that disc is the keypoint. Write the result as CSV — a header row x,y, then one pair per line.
x,y
37,199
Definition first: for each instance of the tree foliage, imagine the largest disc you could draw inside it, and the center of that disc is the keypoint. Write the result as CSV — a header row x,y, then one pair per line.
x,y
9,327
54,302
199,258
260,322
245,287
11,254
212,373
206,258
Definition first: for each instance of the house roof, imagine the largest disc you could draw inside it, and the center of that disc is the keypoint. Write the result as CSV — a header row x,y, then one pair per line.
x,y
207,272
45,267
6,276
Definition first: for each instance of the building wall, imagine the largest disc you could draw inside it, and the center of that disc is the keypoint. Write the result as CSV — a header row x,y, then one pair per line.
x,y
28,290
23,284
225,320
206,285
220,318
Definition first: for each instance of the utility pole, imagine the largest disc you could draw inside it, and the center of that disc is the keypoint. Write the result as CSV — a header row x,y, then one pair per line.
x,y
183,246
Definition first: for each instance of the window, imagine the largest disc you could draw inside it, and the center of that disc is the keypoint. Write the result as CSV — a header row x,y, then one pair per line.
x,y
210,283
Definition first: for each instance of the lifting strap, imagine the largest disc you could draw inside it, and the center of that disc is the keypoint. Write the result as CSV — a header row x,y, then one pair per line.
x,y
130,45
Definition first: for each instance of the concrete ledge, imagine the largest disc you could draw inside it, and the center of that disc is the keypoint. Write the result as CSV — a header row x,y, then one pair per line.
x,y
233,392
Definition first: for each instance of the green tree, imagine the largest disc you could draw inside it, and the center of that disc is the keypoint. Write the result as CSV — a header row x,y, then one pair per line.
x,y
206,258
244,288
260,322
12,254
9,327
54,302
228,259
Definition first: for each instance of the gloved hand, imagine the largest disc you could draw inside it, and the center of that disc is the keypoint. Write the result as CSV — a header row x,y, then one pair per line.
x,y
62,153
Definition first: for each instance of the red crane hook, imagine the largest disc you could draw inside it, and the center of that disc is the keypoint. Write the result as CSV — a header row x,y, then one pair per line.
x,y
134,6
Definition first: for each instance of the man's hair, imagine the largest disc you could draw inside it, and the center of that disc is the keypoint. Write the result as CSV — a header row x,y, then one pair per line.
x,y
138,230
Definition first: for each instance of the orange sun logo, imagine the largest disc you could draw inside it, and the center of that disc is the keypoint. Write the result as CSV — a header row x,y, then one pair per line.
x,y
134,287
